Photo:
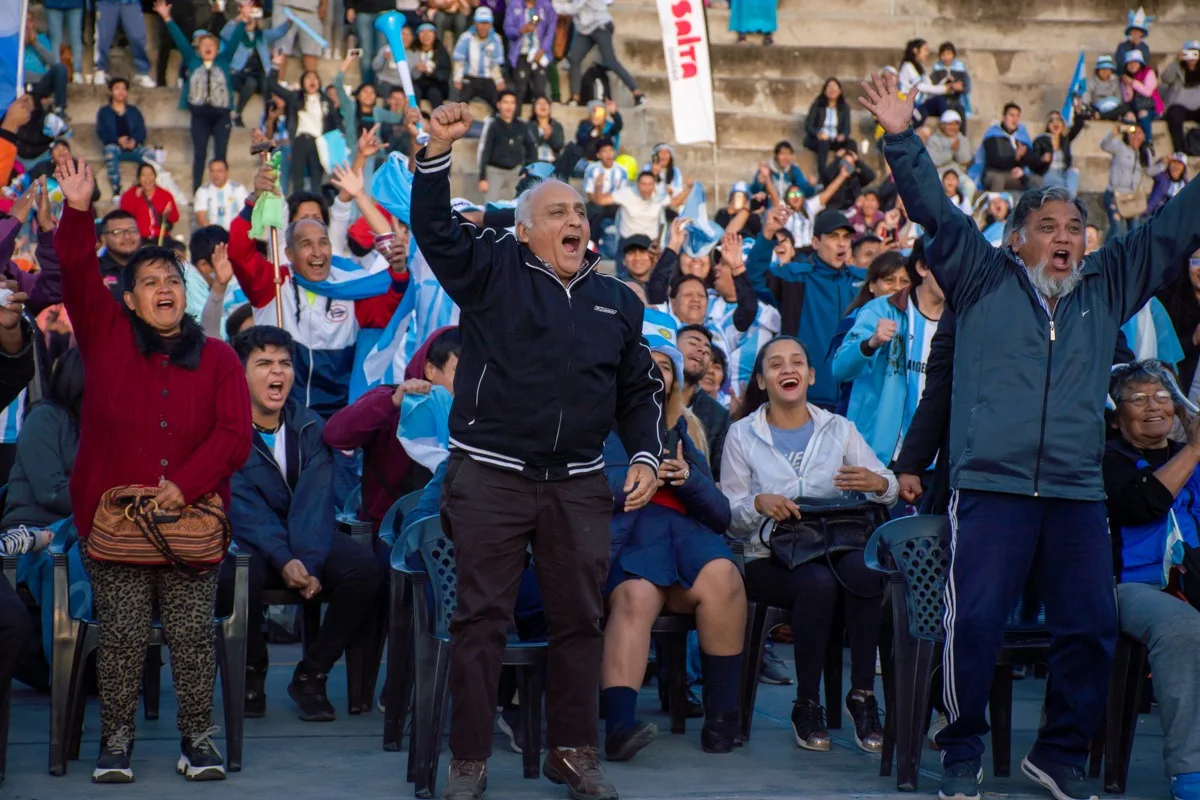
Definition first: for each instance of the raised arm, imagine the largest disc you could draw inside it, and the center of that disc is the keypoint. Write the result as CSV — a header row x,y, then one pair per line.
x,y
1145,261
956,250
639,397
90,304
461,261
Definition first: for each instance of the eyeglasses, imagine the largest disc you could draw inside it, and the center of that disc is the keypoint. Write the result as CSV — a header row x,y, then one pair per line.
x,y
1141,399
122,232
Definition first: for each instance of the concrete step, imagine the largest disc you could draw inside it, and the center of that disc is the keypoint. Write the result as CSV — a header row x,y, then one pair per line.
x,y
802,24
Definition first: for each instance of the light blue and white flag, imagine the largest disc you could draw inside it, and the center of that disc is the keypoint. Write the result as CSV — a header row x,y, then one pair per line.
x,y
12,51
703,234
1075,89
424,429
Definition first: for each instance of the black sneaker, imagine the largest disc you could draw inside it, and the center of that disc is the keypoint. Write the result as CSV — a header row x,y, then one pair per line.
x,y
625,743
1064,782
307,691
809,726
199,759
113,764
467,780
960,781
863,708
720,733
255,704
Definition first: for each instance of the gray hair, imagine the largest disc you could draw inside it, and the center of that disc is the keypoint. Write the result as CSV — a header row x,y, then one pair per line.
x,y
1033,200
524,210
289,234
1148,371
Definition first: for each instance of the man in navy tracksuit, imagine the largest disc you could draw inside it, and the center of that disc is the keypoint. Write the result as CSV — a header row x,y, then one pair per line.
x,y
1036,326
552,354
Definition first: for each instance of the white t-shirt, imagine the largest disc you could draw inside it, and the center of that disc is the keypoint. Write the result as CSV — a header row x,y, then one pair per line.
x,y
276,443
800,226
310,118
638,215
221,204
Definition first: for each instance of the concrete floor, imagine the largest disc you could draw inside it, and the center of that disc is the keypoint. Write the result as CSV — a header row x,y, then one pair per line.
x,y
286,758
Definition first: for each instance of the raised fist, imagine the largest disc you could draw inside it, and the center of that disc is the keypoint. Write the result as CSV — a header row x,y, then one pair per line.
x,y
885,331
449,123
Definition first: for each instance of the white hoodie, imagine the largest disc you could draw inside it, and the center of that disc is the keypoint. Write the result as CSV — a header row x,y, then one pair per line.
x,y
750,466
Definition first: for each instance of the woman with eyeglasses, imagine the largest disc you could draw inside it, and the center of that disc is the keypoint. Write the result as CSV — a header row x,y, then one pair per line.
x,y
1153,487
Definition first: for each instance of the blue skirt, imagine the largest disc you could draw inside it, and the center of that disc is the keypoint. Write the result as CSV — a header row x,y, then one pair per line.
x,y
661,546
752,16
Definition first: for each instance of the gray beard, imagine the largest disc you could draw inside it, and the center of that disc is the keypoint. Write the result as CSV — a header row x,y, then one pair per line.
x,y
1053,288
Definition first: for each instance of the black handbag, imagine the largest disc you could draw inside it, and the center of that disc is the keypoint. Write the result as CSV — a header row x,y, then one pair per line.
x,y
827,526
1189,575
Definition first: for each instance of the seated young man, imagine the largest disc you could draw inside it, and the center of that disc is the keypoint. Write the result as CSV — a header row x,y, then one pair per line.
x,y
283,516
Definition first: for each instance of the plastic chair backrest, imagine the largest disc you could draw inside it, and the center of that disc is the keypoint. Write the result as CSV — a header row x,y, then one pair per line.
x,y
437,552
918,550
398,511
353,504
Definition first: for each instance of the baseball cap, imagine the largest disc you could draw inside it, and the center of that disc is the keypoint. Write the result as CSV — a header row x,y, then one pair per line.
x,y
484,14
829,221
950,116
638,241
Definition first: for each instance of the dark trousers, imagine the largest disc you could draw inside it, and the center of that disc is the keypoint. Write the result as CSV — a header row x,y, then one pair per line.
x,y
597,215
998,542
483,88
15,631
811,592
305,160
431,89
1175,117
350,580
208,123
528,79
187,23
493,515
822,148
52,82
247,85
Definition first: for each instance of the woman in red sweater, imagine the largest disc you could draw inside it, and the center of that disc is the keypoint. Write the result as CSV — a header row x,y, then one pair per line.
x,y
165,407
151,206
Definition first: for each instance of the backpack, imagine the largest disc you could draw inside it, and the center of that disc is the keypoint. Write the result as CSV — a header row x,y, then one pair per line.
x,y
595,84
1191,142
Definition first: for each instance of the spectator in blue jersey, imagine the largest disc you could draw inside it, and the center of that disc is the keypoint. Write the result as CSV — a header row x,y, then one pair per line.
x,y
602,178
1153,483
121,130
324,327
220,200
883,357
283,517
781,173
811,294
478,61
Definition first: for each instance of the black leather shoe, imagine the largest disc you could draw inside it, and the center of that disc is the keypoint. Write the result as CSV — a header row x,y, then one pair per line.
x,y
719,734
625,743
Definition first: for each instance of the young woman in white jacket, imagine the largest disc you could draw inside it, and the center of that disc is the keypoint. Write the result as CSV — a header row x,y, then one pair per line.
x,y
780,449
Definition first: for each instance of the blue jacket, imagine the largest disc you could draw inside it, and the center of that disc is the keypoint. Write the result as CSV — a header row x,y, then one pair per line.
x,y
975,171
811,297
1139,514
699,493
287,516
879,393
106,124
261,40
1027,414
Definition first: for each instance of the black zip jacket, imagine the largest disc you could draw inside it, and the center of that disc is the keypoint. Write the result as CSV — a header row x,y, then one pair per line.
x,y
545,369
1044,144
506,145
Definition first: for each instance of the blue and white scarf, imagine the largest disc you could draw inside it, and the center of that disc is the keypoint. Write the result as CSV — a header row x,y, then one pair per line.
x,y
424,429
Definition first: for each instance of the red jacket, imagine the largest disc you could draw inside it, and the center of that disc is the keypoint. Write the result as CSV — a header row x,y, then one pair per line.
x,y
370,423
143,418
150,220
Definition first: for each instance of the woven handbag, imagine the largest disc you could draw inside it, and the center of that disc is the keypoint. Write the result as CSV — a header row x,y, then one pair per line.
x,y
128,528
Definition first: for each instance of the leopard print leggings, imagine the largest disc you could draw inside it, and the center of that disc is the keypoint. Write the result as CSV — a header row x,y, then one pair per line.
x,y
125,599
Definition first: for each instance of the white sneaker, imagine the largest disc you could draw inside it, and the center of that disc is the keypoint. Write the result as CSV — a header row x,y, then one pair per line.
x,y
145,82
77,78
99,78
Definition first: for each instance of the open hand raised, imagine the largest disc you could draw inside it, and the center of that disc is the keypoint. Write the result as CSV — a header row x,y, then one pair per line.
x,y
881,96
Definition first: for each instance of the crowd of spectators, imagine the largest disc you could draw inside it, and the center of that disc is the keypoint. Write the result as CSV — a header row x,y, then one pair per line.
x,y
798,327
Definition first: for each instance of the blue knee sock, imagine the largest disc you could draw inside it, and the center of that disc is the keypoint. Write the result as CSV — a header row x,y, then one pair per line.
x,y
720,683
620,705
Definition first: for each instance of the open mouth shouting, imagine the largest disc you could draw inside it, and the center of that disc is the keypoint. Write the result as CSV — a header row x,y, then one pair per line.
x,y
789,384
276,392
572,243
164,305
1060,259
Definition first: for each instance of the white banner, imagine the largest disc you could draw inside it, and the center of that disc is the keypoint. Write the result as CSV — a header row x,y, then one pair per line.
x,y
685,43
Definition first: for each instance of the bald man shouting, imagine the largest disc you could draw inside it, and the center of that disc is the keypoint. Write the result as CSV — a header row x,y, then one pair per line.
x,y
552,355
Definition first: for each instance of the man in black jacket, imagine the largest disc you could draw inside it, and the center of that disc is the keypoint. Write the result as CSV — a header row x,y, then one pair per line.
x,y
507,146
552,355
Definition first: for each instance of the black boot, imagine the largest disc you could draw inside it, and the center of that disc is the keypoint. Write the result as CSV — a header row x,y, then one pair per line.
x,y
307,690
719,734
255,704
